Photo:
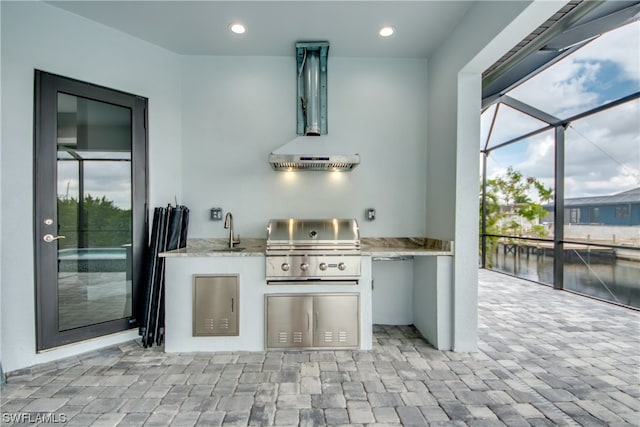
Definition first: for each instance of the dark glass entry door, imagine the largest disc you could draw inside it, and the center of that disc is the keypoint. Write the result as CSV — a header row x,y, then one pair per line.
x,y
90,208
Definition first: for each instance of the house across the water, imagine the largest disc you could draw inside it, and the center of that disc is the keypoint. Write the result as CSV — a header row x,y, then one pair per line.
x,y
617,209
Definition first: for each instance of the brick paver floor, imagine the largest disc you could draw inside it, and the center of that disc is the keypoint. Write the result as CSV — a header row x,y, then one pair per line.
x,y
546,358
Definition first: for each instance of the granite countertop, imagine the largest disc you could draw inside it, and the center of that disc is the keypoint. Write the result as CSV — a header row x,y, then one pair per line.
x,y
394,247
377,247
218,247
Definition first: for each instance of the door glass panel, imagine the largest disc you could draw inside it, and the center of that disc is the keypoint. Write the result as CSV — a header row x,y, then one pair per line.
x,y
94,211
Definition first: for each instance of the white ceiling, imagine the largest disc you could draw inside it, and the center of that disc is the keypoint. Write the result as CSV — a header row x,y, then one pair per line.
x,y
273,27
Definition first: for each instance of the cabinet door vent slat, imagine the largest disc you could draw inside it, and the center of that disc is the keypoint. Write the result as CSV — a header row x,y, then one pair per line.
x,y
209,324
343,336
297,337
224,324
283,337
328,336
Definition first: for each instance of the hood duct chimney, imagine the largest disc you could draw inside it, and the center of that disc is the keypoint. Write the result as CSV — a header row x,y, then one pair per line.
x,y
311,98
311,58
311,149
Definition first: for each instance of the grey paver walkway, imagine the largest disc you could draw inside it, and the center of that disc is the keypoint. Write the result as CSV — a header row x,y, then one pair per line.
x,y
546,358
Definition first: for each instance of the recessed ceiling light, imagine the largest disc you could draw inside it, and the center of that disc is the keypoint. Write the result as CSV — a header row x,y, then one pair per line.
x,y
386,31
237,28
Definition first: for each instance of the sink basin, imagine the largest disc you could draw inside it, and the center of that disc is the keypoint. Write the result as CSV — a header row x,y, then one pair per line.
x,y
234,249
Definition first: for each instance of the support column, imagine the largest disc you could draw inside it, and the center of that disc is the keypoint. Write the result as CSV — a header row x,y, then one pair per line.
x,y
483,236
558,215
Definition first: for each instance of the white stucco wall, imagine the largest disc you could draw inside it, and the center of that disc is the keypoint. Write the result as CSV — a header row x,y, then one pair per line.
x,y
488,30
236,110
38,36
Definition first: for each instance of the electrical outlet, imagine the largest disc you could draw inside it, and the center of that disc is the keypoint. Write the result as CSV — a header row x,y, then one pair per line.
x,y
370,214
216,214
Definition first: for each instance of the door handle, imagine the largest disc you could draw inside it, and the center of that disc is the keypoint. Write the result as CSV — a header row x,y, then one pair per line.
x,y
50,238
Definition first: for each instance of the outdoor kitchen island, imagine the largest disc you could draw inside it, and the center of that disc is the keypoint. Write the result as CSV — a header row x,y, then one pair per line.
x,y
432,270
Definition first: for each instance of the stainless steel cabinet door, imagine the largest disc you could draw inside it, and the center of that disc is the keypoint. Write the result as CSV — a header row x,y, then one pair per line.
x,y
336,320
215,305
289,321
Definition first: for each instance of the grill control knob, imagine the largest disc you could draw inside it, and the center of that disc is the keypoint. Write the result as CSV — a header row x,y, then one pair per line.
x,y
323,266
342,266
304,266
285,266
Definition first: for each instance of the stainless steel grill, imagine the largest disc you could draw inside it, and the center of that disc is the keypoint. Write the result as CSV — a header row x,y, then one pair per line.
x,y
307,251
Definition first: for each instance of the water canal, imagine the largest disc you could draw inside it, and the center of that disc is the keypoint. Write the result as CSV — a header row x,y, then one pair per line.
x,y
612,278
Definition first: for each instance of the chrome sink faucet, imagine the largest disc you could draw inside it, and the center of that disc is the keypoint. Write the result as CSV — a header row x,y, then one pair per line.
x,y
228,223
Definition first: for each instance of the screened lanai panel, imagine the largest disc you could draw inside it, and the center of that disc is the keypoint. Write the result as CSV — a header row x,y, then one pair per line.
x,y
519,230
591,100
517,177
602,177
599,72
603,272
527,259
603,152
508,123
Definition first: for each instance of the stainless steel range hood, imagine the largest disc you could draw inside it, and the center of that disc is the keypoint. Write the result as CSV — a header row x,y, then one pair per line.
x,y
313,153
312,150
316,162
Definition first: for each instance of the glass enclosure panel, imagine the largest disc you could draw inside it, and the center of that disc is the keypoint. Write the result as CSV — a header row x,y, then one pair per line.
x,y
605,69
602,177
94,211
606,273
509,124
601,173
520,179
528,259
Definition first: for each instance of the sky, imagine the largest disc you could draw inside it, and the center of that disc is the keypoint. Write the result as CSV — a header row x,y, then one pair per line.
x,y
602,152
